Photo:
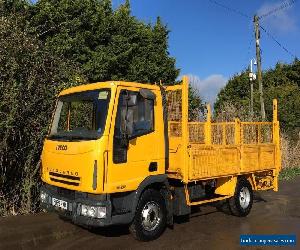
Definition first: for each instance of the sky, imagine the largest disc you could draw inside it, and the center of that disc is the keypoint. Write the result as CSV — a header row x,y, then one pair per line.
x,y
211,43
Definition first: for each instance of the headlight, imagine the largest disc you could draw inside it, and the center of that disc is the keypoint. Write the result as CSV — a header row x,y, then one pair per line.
x,y
101,212
92,211
84,210
43,197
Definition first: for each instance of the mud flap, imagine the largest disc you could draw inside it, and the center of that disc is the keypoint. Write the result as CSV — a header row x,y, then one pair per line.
x,y
169,205
180,206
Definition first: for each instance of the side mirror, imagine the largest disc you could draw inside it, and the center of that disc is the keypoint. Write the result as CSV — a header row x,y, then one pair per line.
x,y
129,102
126,126
129,123
147,94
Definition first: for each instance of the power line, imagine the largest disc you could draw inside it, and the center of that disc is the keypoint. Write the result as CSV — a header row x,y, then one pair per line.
x,y
276,41
250,43
236,11
281,7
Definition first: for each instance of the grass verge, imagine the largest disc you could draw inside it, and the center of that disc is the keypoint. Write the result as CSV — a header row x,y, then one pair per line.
x,y
289,173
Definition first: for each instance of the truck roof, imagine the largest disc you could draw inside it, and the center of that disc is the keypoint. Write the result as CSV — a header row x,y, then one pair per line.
x,y
107,84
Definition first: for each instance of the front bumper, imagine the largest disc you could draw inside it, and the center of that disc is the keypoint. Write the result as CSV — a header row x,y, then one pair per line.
x,y
74,201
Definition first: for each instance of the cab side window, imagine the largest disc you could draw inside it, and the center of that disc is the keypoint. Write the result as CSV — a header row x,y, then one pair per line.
x,y
143,122
143,114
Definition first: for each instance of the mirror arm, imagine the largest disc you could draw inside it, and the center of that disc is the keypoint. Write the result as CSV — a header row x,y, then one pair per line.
x,y
125,140
127,98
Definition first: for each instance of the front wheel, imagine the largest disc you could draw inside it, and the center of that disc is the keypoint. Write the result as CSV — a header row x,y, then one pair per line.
x,y
241,203
150,218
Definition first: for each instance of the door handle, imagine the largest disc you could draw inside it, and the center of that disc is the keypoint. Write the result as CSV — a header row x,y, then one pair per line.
x,y
153,166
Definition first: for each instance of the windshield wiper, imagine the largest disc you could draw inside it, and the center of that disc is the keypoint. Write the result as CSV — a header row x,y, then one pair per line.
x,y
70,137
53,137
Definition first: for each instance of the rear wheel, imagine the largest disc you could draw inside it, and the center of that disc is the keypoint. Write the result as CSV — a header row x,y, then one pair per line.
x,y
241,203
150,218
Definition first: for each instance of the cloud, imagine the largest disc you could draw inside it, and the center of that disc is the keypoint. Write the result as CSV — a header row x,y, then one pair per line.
x,y
208,87
282,20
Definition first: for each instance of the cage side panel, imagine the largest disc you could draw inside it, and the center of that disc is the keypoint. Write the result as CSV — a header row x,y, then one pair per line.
x,y
174,111
175,156
267,156
213,161
257,157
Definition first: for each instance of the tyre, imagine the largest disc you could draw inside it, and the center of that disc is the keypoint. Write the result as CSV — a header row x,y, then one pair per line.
x,y
241,203
150,218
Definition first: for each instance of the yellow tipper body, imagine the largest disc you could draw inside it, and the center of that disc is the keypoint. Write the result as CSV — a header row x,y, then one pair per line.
x,y
213,150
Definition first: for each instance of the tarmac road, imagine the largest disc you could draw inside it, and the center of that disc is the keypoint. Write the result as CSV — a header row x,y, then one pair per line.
x,y
272,213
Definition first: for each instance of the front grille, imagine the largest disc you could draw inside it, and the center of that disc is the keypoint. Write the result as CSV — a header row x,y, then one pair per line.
x,y
65,182
69,177
66,193
65,179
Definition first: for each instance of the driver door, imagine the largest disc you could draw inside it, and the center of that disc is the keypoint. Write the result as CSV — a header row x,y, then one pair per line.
x,y
132,160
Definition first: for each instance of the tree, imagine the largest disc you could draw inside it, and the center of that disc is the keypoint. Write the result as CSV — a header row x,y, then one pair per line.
x,y
282,83
196,105
107,44
237,91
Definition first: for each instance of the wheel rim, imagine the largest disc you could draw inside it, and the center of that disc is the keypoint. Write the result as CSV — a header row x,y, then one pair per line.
x,y
151,216
245,197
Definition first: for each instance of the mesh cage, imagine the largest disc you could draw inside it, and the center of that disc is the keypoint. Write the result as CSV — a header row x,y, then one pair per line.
x,y
222,134
266,133
174,107
197,132
257,133
218,133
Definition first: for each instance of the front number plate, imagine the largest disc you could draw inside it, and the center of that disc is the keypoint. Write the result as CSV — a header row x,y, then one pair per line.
x,y
60,203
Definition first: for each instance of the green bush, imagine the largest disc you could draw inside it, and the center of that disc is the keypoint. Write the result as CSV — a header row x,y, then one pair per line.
x,y
289,173
282,83
30,78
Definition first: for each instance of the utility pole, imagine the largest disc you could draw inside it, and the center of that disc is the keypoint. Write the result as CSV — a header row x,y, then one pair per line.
x,y
252,77
258,61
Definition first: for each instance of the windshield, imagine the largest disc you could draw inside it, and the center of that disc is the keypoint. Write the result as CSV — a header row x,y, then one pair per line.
x,y
80,116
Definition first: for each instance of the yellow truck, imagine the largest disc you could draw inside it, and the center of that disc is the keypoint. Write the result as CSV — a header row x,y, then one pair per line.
x,y
126,153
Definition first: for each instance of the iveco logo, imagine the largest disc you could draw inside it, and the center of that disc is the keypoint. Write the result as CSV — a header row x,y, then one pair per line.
x,y
61,147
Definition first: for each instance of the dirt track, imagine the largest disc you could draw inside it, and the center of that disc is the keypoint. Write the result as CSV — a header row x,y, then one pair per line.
x,y
272,213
